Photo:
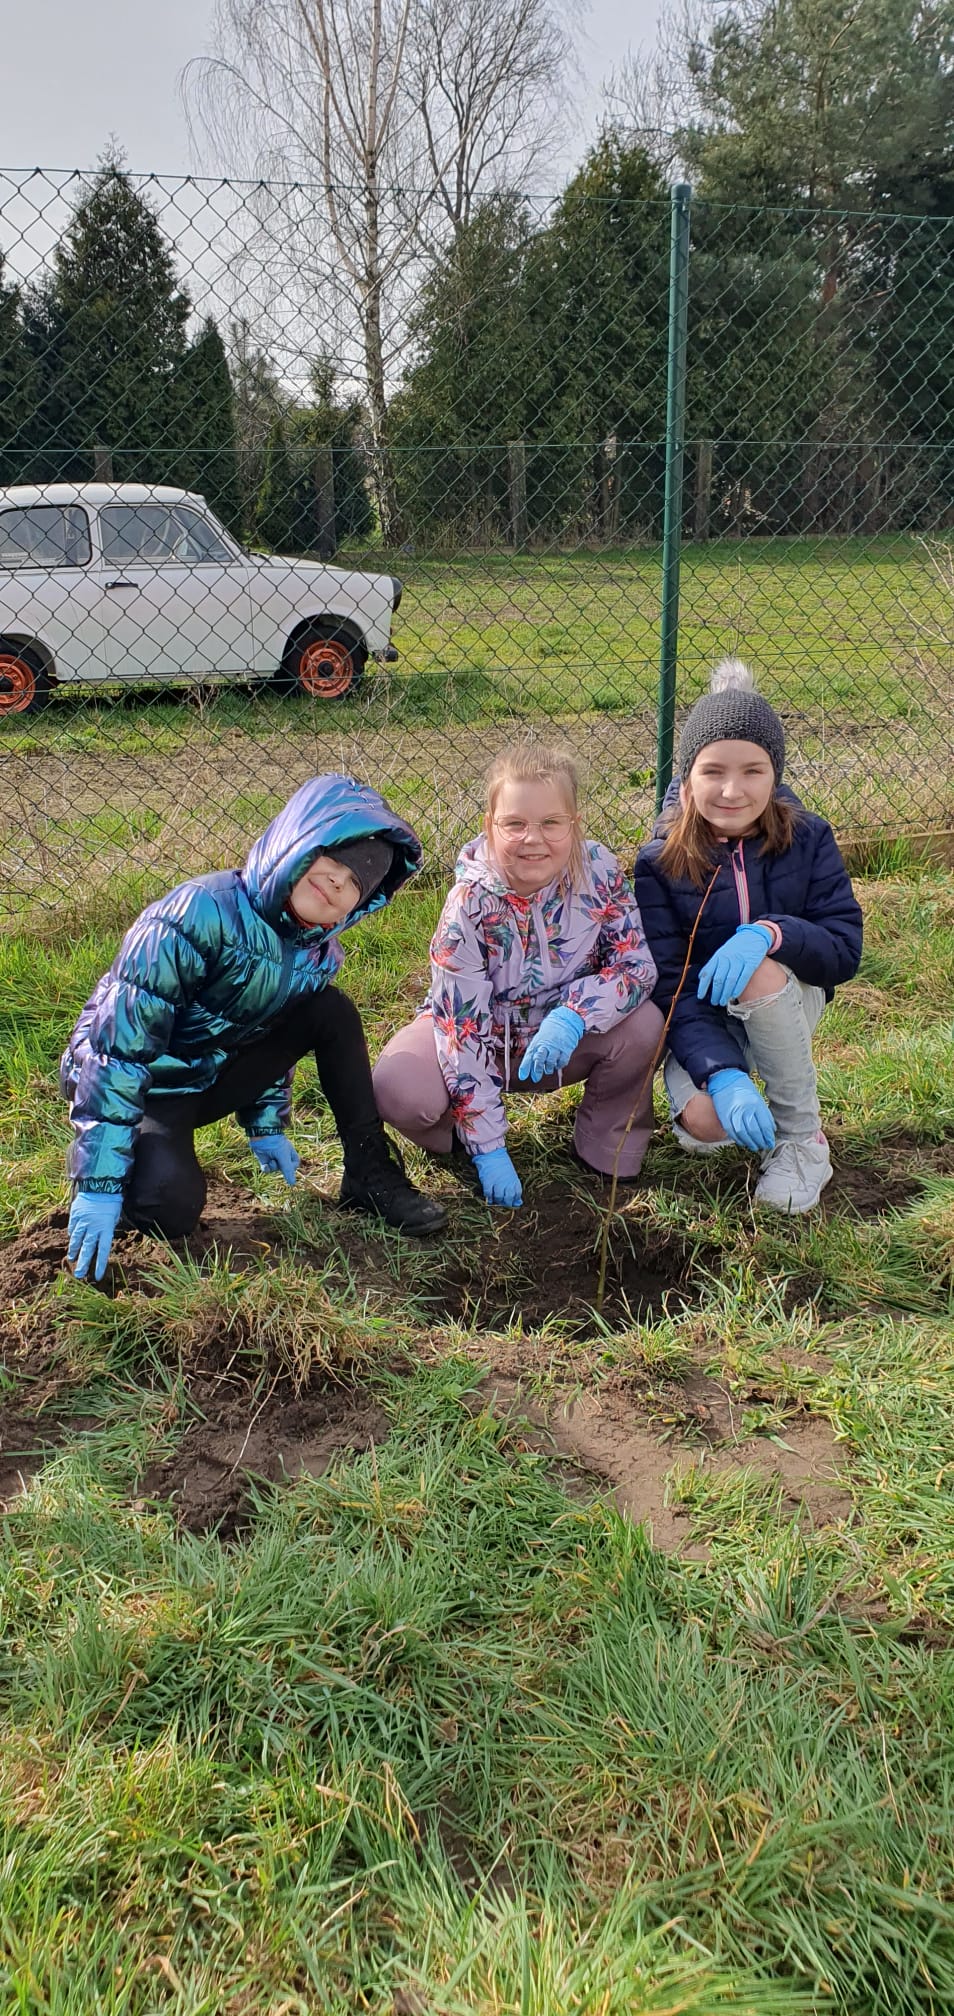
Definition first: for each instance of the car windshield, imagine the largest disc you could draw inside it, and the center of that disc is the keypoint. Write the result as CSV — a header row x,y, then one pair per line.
x,y
160,533
44,535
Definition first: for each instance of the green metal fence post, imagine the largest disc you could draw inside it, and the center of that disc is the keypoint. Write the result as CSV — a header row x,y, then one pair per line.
x,y
675,446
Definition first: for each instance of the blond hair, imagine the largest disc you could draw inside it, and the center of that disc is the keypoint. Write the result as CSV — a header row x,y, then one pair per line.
x,y
531,762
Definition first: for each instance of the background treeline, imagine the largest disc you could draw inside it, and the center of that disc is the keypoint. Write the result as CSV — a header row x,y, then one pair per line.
x,y
524,396
104,349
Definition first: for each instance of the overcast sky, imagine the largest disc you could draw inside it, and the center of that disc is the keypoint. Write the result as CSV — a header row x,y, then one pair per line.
x,y
112,67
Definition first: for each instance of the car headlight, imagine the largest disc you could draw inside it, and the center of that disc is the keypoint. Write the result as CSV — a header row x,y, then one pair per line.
x,y
397,590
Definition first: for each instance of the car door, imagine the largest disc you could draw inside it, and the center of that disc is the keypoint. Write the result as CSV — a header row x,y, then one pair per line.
x,y
49,587
175,594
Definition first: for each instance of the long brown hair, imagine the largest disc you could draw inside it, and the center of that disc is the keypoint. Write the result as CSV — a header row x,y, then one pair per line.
x,y
689,852
531,762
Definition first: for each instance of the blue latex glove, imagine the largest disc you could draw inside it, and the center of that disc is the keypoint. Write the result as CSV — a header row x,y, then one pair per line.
x,y
553,1045
741,1108
727,974
498,1178
94,1216
276,1155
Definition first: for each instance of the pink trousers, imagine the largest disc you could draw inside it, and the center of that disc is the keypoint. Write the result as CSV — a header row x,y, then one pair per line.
x,y
412,1096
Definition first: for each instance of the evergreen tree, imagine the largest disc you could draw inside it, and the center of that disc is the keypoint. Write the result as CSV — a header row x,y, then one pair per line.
x,y
328,422
812,103
557,339
275,509
258,400
207,421
17,388
109,336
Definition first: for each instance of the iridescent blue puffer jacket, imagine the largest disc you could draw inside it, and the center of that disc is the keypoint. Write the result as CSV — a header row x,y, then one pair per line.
x,y
206,969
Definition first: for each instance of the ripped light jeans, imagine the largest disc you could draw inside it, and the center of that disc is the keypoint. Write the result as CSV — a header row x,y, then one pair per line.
x,y
777,1031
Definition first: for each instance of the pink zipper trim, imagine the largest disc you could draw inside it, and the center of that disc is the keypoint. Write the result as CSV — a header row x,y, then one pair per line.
x,y
741,883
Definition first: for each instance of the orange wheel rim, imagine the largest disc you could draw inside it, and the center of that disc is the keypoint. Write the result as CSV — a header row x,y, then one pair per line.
x,y
17,684
326,668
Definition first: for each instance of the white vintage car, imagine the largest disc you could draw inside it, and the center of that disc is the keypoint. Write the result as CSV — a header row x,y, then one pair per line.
x,y
120,582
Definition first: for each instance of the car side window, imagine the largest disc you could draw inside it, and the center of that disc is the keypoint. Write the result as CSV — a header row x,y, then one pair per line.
x,y
131,532
44,535
158,534
198,540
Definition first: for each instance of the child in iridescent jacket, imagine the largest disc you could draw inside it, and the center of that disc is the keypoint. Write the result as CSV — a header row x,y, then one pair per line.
x,y
540,976
215,993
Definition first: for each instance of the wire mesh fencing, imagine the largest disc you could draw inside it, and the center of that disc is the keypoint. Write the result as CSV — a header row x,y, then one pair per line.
x,y
256,522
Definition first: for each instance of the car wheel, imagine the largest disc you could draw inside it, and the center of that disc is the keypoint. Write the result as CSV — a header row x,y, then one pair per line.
x,y
24,681
325,665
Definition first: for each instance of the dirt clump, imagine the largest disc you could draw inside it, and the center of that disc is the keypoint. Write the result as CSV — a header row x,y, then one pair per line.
x,y
612,1438
32,1259
209,1477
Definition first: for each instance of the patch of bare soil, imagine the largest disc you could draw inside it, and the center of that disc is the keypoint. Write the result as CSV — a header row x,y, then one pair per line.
x,y
24,1448
609,1436
542,1264
892,1179
208,1478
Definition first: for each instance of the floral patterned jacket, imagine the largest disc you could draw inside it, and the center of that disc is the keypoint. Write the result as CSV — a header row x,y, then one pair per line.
x,y
500,962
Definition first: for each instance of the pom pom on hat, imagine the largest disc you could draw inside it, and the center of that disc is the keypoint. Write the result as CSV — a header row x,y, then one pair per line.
x,y
731,676
732,711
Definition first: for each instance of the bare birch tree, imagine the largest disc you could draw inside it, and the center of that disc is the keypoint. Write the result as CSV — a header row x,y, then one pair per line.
x,y
651,97
485,77
389,114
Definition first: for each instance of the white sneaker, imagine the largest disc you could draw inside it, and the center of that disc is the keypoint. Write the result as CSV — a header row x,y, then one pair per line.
x,y
794,1175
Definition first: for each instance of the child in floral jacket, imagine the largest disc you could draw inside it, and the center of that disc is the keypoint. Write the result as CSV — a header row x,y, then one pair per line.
x,y
540,976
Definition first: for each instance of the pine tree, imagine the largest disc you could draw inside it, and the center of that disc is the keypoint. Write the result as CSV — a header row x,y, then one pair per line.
x,y
17,388
207,421
109,337
275,509
328,421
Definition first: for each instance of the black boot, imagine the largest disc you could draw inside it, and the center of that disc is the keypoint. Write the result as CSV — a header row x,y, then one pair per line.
x,y
375,1181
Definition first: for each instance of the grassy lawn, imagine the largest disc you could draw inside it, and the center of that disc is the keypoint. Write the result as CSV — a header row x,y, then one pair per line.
x,y
850,638
382,1631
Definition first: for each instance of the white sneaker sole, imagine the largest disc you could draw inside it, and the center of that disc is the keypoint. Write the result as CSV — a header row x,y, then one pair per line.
x,y
690,1146
791,1210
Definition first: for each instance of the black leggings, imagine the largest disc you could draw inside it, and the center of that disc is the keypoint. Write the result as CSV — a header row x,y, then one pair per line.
x,y
166,1191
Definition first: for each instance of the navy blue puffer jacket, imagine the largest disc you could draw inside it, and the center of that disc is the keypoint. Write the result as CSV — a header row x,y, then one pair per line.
x,y
206,969
806,891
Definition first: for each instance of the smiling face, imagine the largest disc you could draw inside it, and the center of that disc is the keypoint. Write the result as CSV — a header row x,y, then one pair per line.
x,y
730,784
530,829
325,895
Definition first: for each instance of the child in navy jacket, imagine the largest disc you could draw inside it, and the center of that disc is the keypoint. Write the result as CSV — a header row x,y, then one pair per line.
x,y
780,930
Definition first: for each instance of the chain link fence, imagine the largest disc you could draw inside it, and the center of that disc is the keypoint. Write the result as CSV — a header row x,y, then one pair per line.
x,y
253,525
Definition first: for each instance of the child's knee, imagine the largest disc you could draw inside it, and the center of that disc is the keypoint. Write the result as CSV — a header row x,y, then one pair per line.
x,y
163,1215
700,1119
401,1096
769,978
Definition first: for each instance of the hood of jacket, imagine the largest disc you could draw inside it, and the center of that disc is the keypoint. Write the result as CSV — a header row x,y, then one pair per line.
x,y
324,812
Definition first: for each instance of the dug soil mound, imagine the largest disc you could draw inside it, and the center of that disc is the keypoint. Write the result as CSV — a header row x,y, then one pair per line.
x,y
541,1265
609,1438
209,1477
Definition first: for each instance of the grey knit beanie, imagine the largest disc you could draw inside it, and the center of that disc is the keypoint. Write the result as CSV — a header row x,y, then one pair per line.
x,y
732,711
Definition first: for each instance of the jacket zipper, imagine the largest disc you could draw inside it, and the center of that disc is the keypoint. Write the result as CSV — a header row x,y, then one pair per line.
x,y
741,882
543,942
